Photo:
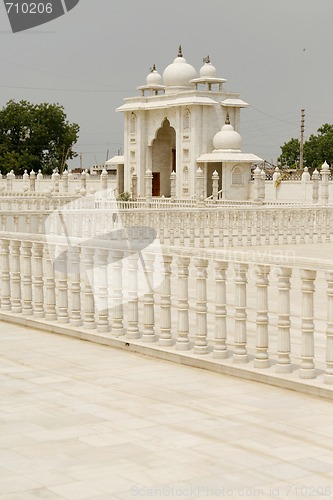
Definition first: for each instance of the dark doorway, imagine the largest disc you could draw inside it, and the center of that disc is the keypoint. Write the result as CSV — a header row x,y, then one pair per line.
x,y
156,188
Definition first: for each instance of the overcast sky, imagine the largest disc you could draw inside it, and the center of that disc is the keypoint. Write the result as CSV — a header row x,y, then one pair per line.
x,y
277,54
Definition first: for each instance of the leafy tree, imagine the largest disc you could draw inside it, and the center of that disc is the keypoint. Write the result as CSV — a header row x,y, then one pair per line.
x,y
290,153
35,136
317,149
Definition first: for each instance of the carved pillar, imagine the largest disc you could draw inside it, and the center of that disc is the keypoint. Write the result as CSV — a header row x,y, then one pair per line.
x,y
183,343
325,173
50,299
201,345
101,290
89,303
32,181
148,300
215,185
134,186
257,184
240,352
38,281
307,369
315,186
5,277
165,320
220,348
117,293
75,287
173,180
65,183
328,377
62,284
133,310
27,309
261,358
16,277
283,359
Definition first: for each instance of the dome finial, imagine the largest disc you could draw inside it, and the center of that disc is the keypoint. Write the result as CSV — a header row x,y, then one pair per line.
x,y
206,60
180,51
153,68
227,119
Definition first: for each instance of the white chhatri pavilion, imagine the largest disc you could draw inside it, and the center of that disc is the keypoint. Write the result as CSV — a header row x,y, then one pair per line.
x,y
181,122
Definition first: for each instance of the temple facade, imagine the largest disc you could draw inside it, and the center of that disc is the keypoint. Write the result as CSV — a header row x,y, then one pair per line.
x,y
182,122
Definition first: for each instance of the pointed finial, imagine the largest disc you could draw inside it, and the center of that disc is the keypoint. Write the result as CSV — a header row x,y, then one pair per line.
x,y
153,68
180,51
227,119
206,60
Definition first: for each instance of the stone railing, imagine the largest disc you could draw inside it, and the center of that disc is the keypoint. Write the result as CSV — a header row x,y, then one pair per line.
x,y
209,228
246,314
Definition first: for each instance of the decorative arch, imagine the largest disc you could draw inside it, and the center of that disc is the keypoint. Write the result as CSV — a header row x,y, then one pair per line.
x,y
237,176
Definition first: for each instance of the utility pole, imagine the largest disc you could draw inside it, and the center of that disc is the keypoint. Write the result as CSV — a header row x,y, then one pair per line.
x,y
302,139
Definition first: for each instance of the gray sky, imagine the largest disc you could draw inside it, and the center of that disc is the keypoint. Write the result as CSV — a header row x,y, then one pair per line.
x,y
277,54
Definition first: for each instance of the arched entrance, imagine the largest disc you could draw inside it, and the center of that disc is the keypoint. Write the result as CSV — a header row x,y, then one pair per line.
x,y
163,159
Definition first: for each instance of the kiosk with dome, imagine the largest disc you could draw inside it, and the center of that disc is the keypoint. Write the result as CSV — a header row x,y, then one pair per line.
x,y
180,122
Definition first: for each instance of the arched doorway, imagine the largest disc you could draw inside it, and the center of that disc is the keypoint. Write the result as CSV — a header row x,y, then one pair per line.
x,y
163,159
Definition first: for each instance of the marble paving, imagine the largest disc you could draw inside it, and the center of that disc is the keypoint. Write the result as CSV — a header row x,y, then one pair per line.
x,y
84,421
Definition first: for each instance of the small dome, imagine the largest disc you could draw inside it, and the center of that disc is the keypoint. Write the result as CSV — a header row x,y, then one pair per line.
x,y
208,70
179,73
227,138
154,78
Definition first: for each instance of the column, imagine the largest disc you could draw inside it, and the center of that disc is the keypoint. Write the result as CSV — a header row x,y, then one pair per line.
x,y
148,299
315,186
149,185
220,347
215,185
307,369
89,303
27,309
38,281
62,283
283,356
117,293
50,299
201,345
165,319
133,301
261,357
325,173
101,290
328,377
75,286
5,276
173,180
240,352
16,277
183,342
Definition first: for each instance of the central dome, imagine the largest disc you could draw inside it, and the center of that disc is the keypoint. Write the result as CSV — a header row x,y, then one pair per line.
x,y
179,73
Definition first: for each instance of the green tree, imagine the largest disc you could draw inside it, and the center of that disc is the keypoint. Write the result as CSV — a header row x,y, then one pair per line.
x,y
35,136
317,149
290,152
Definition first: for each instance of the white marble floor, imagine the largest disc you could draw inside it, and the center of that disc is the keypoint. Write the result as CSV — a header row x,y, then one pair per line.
x,y
83,421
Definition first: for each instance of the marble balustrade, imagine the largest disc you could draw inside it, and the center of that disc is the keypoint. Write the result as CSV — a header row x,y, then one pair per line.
x,y
226,306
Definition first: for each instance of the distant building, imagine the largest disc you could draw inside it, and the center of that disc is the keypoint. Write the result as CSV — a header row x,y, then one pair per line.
x,y
179,123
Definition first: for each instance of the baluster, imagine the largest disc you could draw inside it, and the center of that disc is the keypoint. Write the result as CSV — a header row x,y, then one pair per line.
x,y
201,345
261,358
311,225
101,290
249,227
16,224
16,277
239,219
148,300
38,281
327,225
165,336
133,301
75,287
5,277
283,359
183,343
267,226
285,226
62,283
117,293
191,219
240,352
50,299
89,303
230,229
259,217
220,348
307,369
328,377
221,228
27,309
